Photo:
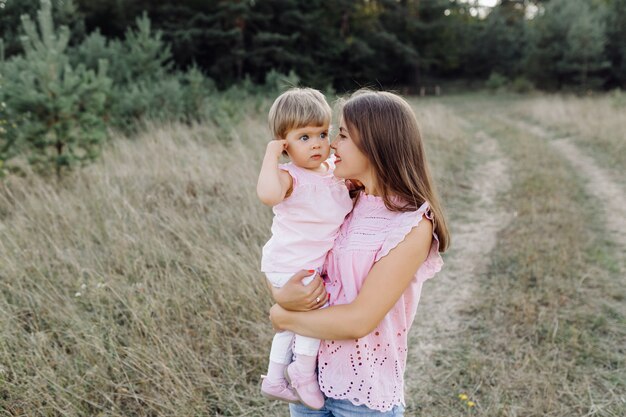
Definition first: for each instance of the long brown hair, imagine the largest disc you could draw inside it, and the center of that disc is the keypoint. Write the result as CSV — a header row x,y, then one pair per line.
x,y
385,130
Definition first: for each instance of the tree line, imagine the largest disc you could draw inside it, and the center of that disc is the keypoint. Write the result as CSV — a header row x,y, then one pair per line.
x,y
343,44
72,70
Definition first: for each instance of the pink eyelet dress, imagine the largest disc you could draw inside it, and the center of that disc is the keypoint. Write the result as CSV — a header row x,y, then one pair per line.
x,y
370,371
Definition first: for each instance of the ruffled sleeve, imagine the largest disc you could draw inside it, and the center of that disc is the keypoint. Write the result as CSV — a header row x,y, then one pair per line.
x,y
397,233
292,170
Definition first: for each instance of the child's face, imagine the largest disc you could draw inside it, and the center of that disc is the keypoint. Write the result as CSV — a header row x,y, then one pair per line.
x,y
308,146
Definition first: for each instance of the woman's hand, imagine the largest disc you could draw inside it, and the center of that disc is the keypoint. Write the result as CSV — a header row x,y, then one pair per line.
x,y
296,296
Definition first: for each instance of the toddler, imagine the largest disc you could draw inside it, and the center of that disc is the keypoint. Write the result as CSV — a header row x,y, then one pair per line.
x,y
309,205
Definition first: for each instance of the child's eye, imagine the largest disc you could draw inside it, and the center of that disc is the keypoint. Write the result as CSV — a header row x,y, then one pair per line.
x,y
304,138
324,135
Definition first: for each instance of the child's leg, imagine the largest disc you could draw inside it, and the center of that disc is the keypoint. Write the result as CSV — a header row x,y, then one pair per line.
x,y
280,355
301,373
306,349
274,386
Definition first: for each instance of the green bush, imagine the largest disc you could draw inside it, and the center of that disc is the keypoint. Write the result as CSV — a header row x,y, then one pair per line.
x,y
57,108
496,82
522,85
618,98
144,83
7,131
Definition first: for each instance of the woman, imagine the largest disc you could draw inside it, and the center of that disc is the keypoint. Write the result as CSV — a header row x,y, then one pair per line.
x,y
387,247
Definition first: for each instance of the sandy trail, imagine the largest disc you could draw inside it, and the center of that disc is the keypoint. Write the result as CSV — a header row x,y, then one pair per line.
x,y
610,196
474,234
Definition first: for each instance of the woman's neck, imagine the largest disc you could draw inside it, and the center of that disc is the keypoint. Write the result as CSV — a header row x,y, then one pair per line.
x,y
370,187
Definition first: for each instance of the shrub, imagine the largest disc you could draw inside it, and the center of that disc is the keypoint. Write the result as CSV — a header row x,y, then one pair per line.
x,y
276,83
521,85
496,82
7,131
144,83
57,107
618,98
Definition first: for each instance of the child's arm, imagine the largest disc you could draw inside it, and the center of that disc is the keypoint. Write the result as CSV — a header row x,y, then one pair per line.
x,y
382,288
274,183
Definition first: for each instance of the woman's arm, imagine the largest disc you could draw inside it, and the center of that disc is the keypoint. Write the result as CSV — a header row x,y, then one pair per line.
x,y
385,283
274,183
296,296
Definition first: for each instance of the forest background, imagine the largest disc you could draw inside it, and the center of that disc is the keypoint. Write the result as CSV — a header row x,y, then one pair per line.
x,y
111,63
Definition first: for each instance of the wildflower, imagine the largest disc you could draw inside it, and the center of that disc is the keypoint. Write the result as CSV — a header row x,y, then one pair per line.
x,y
82,287
100,285
463,397
471,403
78,294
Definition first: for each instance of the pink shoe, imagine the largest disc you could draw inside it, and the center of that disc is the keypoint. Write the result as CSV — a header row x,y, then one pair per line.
x,y
306,387
277,390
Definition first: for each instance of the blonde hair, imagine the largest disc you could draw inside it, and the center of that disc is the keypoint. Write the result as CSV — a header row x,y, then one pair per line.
x,y
385,129
295,108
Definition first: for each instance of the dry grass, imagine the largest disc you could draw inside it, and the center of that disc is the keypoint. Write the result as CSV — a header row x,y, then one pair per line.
x,y
132,289
596,123
546,333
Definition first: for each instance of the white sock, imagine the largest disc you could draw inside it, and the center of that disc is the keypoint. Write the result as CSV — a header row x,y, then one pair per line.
x,y
306,364
276,371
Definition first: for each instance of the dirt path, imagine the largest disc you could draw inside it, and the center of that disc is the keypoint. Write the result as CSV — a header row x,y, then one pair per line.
x,y
610,196
474,235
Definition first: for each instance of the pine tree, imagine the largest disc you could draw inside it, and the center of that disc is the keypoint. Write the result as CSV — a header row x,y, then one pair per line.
x,y
501,45
64,12
57,107
586,39
567,46
616,41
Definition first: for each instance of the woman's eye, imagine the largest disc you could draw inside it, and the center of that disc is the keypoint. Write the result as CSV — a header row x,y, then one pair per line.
x,y
304,138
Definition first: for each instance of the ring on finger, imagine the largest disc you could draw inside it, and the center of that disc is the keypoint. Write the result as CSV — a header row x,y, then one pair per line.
x,y
317,300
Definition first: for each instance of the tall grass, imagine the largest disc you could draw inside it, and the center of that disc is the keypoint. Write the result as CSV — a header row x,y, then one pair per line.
x,y
133,287
596,122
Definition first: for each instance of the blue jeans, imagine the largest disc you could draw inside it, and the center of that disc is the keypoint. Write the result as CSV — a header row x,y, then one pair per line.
x,y
343,408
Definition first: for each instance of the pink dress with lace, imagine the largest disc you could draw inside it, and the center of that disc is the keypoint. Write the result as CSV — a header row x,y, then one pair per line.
x,y
370,370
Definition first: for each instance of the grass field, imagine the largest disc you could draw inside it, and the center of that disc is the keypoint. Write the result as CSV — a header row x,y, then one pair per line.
x,y
133,289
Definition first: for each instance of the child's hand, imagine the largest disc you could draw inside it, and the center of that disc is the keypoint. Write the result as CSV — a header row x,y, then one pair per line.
x,y
275,148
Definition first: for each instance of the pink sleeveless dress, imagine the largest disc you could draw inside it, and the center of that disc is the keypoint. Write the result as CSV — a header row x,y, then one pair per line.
x,y
307,222
370,371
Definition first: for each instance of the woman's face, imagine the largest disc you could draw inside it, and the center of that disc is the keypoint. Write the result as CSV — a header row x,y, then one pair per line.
x,y
351,163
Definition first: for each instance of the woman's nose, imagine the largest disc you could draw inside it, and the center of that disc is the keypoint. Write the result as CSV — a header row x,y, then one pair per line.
x,y
333,143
